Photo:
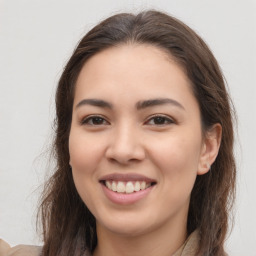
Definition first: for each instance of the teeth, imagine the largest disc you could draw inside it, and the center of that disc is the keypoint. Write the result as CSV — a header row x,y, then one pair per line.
x,y
120,187
108,184
137,186
114,187
143,185
127,187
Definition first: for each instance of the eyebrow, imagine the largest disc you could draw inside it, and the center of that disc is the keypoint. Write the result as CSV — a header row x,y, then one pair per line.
x,y
94,102
156,102
139,105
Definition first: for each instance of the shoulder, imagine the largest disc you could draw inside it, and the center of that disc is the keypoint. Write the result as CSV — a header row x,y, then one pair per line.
x,y
190,247
19,250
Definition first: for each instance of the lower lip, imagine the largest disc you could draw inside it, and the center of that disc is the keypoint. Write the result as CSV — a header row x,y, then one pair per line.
x,y
123,198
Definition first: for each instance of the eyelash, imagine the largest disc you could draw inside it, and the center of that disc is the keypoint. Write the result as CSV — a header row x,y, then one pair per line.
x,y
89,120
167,120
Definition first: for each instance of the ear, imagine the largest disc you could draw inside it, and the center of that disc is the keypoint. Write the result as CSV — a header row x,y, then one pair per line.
x,y
210,148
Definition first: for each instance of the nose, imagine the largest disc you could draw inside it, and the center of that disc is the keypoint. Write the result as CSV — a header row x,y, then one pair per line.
x,y
125,145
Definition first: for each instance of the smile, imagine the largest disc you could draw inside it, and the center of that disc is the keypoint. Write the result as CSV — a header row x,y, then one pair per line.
x,y
127,187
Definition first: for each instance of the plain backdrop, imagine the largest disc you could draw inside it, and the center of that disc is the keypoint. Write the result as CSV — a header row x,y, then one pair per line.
x,y
36,40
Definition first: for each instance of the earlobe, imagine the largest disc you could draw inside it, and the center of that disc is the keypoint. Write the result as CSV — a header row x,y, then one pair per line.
x,y
210,149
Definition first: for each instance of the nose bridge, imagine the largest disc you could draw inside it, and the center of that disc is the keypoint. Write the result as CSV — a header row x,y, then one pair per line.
x,y
125,143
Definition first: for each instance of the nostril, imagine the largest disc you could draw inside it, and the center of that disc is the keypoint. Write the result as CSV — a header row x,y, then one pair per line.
x,y
124,161
125,149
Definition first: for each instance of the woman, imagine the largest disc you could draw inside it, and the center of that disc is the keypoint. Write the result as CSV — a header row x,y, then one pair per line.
x,y
144,145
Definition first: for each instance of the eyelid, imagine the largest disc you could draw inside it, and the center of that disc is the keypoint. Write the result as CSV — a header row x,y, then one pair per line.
x,y
166,117
84,120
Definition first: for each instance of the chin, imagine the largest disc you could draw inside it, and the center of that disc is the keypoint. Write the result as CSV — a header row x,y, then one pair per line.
x,y
129,226
129,230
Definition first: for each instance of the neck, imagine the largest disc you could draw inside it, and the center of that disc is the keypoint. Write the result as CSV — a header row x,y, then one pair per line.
x,y
165,241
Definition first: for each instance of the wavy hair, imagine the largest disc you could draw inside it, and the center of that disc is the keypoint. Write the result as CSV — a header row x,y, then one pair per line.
x,y
68,226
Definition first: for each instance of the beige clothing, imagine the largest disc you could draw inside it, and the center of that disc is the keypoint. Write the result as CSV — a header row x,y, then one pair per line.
x,y
19,250
189,248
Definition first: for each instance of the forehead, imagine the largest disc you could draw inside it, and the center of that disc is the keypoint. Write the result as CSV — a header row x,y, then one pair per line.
x,y
137,70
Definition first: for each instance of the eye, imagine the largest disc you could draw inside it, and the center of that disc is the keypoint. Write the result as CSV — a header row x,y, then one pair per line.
x,y
94,120
159,120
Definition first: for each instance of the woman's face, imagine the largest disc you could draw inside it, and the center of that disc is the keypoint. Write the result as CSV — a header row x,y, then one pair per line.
x,y
136,142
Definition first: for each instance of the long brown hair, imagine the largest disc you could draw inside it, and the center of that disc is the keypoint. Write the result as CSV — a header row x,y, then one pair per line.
x,y
68,226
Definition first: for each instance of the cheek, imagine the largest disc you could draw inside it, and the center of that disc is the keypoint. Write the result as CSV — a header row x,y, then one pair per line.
x,y
84,156
85,152
177,162
177,156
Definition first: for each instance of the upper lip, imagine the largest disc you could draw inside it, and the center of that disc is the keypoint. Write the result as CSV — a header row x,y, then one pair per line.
x,y
126,177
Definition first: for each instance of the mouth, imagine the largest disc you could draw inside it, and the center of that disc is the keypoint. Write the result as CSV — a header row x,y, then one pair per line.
x,y
127,183
127,187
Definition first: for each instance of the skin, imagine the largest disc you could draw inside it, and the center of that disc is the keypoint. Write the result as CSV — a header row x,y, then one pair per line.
x,y
124,139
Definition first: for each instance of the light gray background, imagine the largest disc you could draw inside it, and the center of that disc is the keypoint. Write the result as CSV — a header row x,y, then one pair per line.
x,y
37,38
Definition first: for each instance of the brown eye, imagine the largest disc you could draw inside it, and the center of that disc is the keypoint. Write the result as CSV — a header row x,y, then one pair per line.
x,y
94,120
159,120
